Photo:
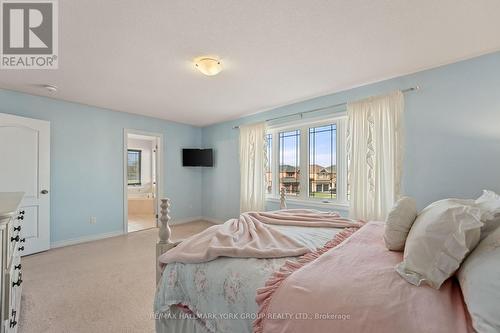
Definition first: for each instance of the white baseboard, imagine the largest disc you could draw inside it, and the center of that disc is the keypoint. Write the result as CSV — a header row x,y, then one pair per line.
x,y
85,239
196,218
211,219
185,220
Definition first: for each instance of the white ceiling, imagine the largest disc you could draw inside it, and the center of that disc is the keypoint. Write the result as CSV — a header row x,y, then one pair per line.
x,y
135,56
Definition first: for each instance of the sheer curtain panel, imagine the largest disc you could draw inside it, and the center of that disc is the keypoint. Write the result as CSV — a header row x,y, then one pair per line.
x,y
252,167
375,151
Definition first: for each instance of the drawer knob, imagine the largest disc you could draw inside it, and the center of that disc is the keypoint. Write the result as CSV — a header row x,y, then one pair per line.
x,y
17,228
21,248
17,283
22,240
18,266
14,239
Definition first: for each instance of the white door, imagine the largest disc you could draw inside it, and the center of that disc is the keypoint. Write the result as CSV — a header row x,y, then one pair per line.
x,y
25,167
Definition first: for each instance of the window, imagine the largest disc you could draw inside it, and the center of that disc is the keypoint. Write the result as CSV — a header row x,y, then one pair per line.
x,y
308,159
323,162
134,167
289,150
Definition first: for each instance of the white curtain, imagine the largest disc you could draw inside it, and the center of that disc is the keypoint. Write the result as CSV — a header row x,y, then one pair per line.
x,y
252,167
375,153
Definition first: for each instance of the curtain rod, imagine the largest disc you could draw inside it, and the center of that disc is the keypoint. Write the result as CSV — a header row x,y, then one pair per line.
x,y
325,107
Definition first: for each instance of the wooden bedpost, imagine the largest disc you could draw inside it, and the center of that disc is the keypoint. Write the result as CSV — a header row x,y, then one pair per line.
x,y
283,198
164,243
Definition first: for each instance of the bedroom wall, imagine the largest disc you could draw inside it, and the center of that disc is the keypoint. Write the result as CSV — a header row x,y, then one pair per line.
x,y
87,164
452,135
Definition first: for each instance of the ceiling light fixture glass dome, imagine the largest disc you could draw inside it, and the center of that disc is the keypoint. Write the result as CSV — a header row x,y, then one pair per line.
x,y
208,66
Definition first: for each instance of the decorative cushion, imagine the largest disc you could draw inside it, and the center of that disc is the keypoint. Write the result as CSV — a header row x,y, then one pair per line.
x,y
399,222
479,279
439,240
489,202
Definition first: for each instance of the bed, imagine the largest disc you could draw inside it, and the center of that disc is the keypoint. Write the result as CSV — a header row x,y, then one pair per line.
x,y
220,295
221,292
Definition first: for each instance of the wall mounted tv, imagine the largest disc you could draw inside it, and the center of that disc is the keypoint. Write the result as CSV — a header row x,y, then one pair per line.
x,y
197,158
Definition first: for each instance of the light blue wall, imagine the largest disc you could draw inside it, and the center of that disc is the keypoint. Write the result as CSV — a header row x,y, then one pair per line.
x,y
452,135
87,163
452,148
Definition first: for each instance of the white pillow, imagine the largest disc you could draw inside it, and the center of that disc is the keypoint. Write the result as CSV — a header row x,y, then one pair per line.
x,y
440,238
399,222
479,279
489,202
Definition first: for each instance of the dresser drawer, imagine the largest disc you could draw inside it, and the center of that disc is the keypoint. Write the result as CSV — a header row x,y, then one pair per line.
x,y
12,298
15,243
11,240
11,224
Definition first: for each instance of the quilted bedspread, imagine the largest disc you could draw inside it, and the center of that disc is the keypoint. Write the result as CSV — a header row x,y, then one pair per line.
x,y
220,294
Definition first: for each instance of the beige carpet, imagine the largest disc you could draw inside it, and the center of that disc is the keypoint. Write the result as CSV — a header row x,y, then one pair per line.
x,y
138,222
101,286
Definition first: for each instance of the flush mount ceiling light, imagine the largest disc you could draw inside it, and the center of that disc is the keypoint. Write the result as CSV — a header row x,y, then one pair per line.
x,y
50,88
208,66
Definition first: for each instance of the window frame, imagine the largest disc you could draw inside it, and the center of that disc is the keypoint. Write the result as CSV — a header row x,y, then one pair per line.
x,y
303,125
140,167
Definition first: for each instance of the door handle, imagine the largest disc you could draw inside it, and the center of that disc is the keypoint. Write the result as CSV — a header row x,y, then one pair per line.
x,y
44,191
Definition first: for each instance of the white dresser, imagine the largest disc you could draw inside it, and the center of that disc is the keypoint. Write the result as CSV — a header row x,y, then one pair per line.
x,y
12,244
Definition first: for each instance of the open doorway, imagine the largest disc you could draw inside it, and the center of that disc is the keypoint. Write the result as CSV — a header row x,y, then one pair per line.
x,y
142,157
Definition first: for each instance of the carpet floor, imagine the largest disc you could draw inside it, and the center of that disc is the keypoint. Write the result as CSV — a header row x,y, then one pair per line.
x,y
101,286
138,222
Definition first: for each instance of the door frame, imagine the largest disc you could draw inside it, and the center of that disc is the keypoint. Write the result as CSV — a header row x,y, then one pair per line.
x,y
159,171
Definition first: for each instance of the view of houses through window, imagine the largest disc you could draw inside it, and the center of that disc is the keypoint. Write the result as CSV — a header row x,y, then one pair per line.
x,y
289,167
306,160
323,161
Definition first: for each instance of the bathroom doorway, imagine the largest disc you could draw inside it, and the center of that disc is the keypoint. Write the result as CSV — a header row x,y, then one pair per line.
x,y
142,179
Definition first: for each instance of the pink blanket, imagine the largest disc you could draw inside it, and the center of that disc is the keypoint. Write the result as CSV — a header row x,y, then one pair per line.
x,y
250,236
354,288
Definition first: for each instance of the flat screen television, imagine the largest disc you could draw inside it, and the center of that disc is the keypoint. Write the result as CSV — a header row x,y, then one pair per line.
x,y
197,158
